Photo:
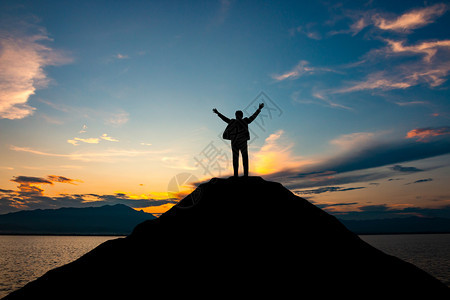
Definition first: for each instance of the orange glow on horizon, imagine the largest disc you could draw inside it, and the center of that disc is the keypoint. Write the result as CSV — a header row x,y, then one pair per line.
x,y
156,210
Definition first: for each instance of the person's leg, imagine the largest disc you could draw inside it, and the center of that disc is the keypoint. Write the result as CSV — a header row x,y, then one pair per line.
x,y
235,150
244,151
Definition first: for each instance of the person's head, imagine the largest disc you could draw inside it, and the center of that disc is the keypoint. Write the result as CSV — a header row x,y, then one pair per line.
x,y
239,114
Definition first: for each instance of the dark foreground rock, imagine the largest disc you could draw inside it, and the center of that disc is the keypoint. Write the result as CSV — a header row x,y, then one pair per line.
x,y
236,238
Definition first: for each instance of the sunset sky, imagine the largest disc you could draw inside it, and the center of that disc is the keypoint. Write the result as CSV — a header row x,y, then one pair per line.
x,y
105,102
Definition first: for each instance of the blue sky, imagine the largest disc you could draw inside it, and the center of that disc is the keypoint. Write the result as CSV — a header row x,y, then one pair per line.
x,y
114,100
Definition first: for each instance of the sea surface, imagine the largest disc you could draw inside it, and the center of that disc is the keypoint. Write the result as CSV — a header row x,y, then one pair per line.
x,y
430,252
25,258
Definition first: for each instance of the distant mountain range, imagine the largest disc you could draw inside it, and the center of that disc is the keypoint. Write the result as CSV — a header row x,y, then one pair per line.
x,y
116,219
398,225
120,219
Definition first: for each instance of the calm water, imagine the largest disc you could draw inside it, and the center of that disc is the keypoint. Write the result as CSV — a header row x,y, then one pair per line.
x,y
25,258
430,252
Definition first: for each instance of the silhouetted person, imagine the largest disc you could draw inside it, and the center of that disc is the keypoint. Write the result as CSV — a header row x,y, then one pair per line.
x,y
237,132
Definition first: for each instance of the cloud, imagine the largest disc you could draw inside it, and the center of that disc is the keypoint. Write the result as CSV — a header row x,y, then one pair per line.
x,y
403,76
31,180
23,58
83,129
353,140
432,69
307,30
420,181
424,134
359,162
410,103
328,102
110,155
300,69
29,190
359,25
385,211
11,201
275,155
178,162
75,141
121,56
328,205
29,195
223,12
428,49
383,153
412,19
328,189
322,96
108,138
117,119
379,80
62,179
321,179
400,168
40,180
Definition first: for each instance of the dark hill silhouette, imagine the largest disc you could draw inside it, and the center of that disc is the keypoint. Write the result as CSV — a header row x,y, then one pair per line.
x,y
116,219
237,238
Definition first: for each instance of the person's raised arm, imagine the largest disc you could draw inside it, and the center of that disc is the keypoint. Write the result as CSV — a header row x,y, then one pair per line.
x,y
252,117
225,119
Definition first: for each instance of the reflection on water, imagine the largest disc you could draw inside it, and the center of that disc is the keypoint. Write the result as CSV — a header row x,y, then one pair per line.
x,y
430,252
25,258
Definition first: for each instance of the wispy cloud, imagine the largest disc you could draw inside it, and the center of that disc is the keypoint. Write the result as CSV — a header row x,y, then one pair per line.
x,y
23,58
403,76
428,49
307,30
410,103
108,138
178,162
121,56
62,179
222,12
384,211
75,141
431,67
329,189
29,190
424,134
117,119
110,155
412,19
420,181
276,155
300,69
31,180
325,99
402,169
379,80
351,141
83,129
